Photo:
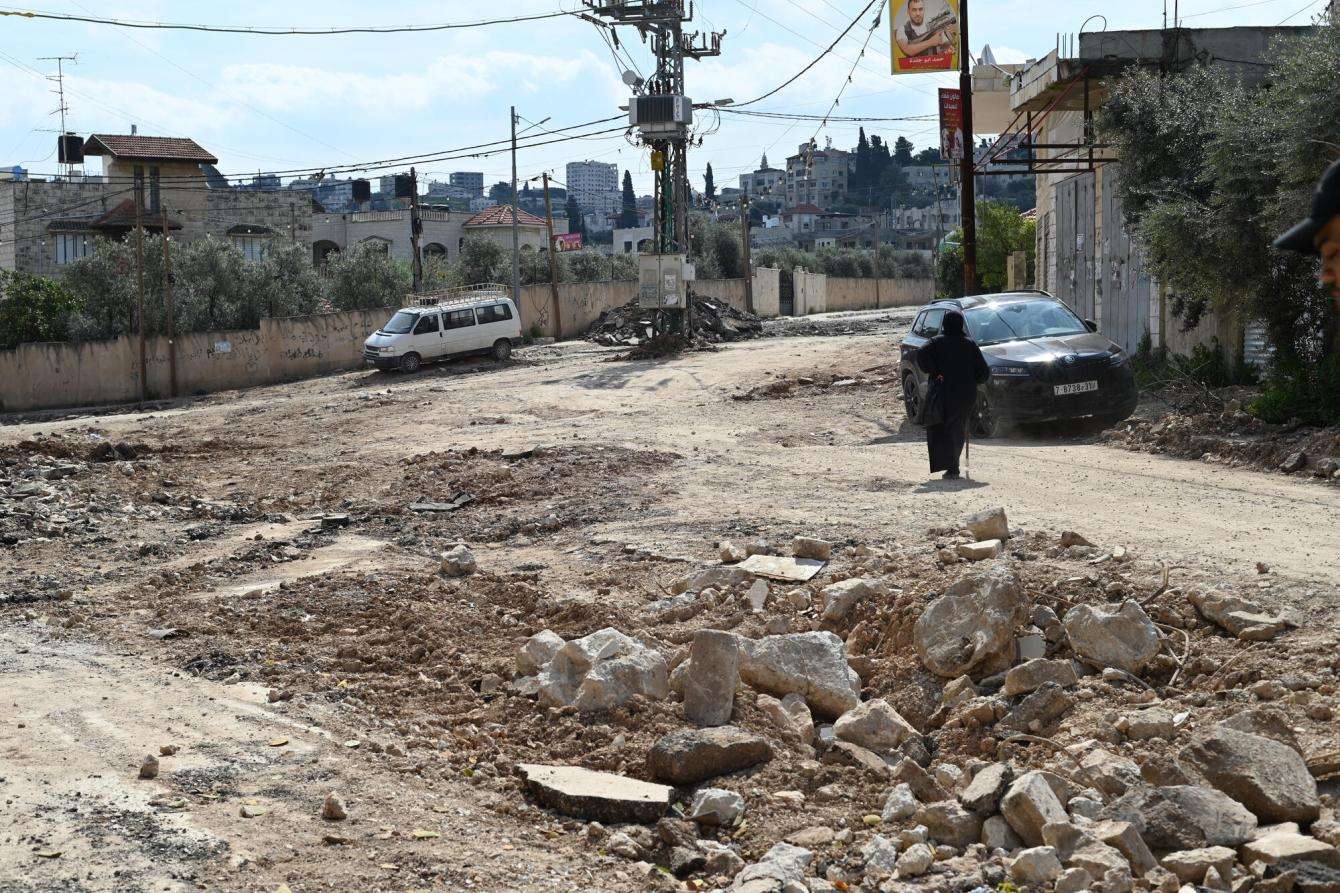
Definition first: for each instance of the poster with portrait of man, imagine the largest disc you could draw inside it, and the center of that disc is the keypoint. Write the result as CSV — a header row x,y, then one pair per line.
x,y
925,35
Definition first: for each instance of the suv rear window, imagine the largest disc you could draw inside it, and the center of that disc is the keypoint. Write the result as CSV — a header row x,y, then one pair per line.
x,y
493,313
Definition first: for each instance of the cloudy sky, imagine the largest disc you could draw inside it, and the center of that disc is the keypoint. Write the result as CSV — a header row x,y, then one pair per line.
x,y
282,103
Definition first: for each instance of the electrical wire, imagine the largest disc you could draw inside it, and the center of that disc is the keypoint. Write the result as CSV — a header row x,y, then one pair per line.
x,y
784,116
1295,15
295,31
837,100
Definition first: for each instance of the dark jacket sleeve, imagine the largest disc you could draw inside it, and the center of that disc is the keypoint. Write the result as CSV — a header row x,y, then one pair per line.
x,y
926,359
981,372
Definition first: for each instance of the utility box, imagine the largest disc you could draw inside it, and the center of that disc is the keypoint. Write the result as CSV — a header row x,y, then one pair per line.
x,y
662,281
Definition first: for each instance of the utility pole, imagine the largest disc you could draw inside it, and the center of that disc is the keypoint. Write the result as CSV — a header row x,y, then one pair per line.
x,y
167,304
516,225
877,295
553,259
139,280
415,230
967,167
748,261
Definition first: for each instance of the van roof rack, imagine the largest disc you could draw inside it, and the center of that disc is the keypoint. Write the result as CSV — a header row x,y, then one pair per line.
x,y
464,294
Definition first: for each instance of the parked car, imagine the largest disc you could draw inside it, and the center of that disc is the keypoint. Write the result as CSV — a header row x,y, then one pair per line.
x,y
1046,363
476,319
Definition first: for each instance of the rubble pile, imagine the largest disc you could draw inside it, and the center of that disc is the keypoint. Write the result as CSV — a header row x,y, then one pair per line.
x,y
1228,435
818,383
714,321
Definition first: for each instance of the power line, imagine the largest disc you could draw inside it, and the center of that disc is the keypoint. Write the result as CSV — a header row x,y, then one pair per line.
x,y
294,31
1310,4
784,116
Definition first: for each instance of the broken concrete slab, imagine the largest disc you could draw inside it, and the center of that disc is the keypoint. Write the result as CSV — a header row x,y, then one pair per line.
x,y
1242,617
692,755
840,598
596,796
780,567
982,551
809,547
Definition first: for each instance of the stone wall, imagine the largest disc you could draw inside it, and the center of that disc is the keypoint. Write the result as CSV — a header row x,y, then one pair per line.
x,y
865,294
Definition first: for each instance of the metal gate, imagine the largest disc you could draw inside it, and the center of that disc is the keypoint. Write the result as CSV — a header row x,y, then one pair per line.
x,y
1074,244
786,294
1126,285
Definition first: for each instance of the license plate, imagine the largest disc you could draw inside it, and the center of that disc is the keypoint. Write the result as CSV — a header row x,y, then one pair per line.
x,y
1079,387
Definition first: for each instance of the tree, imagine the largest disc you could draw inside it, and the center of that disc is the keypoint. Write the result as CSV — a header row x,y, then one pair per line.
x,y
483,260
576,222
902,151
365,278
927,156
628,213
103,281
1001,231
291,285
501,192
1211,172
709,185
34,308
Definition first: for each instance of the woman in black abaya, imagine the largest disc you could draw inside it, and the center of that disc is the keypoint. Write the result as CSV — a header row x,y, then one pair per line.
x,y
953,359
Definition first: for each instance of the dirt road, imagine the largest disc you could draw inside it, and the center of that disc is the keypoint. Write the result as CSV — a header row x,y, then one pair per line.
x,y
659,459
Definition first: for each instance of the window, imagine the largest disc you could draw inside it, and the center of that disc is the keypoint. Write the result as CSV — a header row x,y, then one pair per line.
x,y
930,323
252,248
494,313
427,324
71,246
400,324
459,319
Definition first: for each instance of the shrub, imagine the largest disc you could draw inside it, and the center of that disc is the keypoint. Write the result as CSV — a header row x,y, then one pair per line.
x,y
34,308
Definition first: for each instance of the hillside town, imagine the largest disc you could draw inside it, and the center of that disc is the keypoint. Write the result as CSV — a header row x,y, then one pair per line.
x,y
876,446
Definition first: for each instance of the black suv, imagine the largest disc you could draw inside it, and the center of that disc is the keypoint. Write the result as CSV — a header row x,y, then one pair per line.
x,y
1046,363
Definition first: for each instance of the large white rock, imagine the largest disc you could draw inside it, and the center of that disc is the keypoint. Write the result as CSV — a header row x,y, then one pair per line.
x,y
1030,804
874,725
1036,866
539,649
1124,638
714,806
991,524
601,671
813,665
782,865
841,597
459,562
974,620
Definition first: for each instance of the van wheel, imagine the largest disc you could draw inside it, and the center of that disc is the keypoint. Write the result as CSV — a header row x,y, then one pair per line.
x,y
410,363
502,349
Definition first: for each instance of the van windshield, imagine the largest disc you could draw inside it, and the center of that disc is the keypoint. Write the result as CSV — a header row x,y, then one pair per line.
x,y
401,324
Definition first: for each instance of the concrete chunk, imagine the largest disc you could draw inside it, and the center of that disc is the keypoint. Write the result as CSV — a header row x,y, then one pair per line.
x,y
596,796
692,755
1032,675
991,524
1124,638
1029,804
712,677
1267,777
973,622
1190,865
874,725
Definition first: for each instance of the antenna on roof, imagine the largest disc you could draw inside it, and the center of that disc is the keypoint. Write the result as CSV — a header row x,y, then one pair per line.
x,y
134,129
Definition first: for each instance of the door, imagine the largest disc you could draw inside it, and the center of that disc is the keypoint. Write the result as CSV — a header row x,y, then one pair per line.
x,y
1074,244
460,331
786,295
427,338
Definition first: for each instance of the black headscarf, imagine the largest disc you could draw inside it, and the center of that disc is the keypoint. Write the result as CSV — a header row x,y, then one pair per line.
x,y
954,324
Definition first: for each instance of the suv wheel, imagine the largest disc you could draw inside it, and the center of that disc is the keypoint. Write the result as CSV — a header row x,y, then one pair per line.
x,y
410,363
985,423
911,397
502,349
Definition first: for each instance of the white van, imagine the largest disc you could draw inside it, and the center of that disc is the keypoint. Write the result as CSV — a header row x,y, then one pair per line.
x,y
475,319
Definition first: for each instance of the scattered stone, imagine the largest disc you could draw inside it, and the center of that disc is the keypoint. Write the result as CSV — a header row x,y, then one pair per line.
x,y
998,835
149,767
602,671
731,553
1030,676
950,823
757,596
881,857
876,726
790,715
1152,722
1124,638
459,562
1183,817
1267,777
991,524
1126,839
718,578
950,777
1070,538
333,809
1073,880
1029,804
846,753
596,796
1190,865
1036,866
1085,807
1038,710
780,869
813,665
916,861
983,793
1286,846
713,806
1239,616
712,677
839,598
900,804
1109,773
720,860
926,788
813,838
958,691
971,623
1294,462
983,551
689,756
808,547
1030,646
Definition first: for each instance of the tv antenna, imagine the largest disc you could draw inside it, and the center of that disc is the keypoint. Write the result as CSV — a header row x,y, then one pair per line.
x,y
59,80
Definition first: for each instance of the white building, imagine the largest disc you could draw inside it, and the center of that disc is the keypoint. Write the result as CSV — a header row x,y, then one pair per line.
x,y
471,181
593,183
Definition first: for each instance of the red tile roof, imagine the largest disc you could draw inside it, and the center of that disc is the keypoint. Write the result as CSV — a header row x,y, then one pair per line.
x,y
161,148
501,215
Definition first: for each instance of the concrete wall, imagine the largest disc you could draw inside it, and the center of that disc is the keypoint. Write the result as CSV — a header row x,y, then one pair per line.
x,y
44,376
811,293
864,294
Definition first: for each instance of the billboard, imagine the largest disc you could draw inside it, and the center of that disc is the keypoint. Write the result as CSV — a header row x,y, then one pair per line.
x,y
568,242
925,35
951,124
